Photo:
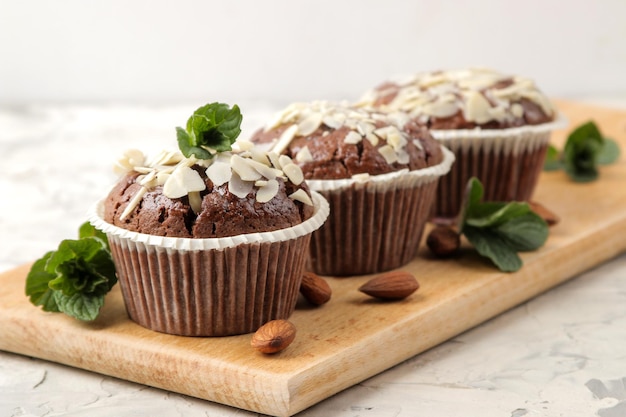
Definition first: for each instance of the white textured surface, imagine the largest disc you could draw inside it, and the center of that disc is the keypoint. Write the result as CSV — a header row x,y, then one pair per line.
x,y
560,354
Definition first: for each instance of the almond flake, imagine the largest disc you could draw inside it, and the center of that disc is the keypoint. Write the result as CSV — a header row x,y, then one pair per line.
x,y
403,156
274,159
309,124
284,160
388,153
364,128
195,201
265,170
294,173
301,196
285,139
243,167
353,138
517,110
334,121
267,191
242,145
219,173
477,109
162,177
304,155
133,202
442,110
239,187
372,138
183,181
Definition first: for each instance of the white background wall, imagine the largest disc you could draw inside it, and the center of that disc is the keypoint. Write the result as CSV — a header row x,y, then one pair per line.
x,y
283,50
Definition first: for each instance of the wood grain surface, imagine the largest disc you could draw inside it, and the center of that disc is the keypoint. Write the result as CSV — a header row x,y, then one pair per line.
x,y
353,336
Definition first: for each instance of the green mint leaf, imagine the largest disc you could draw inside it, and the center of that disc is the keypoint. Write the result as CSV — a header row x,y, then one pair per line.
x,y
88,230
82,266
499,230
525,232
493,247
553,159
496,214
609,153
79,306
37,288
581,152
212,128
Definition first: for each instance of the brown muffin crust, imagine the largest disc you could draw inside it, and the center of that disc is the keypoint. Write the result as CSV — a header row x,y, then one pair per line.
x,y
331,156
222,213
445,100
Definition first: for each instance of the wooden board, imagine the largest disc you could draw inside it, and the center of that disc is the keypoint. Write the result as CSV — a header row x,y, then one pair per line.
x,y
352,337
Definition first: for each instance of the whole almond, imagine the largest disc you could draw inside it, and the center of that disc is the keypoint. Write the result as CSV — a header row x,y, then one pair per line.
x,y
443,241
273,336
315,289
547,215
394,285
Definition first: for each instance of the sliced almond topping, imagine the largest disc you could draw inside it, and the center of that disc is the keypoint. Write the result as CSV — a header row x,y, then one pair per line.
x,y
309,124
294,173
388,153
195,201
364,128
219,173
418,144
284,160
285,139
353,138
274,159
242,145
265,170
477,109
133,202
239,187
183,181
403,156
517,110
442,110
334,121
301,196
162,176
267,191
243,167
304,155
372,138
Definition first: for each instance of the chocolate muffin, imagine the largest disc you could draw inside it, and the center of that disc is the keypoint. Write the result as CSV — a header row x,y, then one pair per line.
x,y
379,180
498,125
209,247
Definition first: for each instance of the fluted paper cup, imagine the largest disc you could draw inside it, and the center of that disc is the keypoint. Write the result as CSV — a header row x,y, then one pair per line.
x,y
210,287
375,223
508,162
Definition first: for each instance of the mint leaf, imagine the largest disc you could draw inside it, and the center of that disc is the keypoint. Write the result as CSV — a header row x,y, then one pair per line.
x,y
212,128
581,152
88,230
609,153
40,294
75,278
553,159
493,247
80,306
499,230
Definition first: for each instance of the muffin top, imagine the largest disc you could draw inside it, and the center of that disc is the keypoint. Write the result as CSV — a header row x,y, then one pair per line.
x,y
337,141
236,192
464,99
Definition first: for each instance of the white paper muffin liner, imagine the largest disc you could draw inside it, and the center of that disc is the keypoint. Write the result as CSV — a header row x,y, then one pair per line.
x,y
508,162
215,287
374,225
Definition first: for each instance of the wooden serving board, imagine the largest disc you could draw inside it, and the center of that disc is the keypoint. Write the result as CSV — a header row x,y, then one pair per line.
x,y
353,336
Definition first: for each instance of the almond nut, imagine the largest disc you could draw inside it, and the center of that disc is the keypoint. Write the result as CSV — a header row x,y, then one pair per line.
x,y
315,289
547,215
443,241
393,285
273,336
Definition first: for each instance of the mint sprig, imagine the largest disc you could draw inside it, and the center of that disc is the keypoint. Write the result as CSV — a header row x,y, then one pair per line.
x,y
497,230
585,149
212,128
75,278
